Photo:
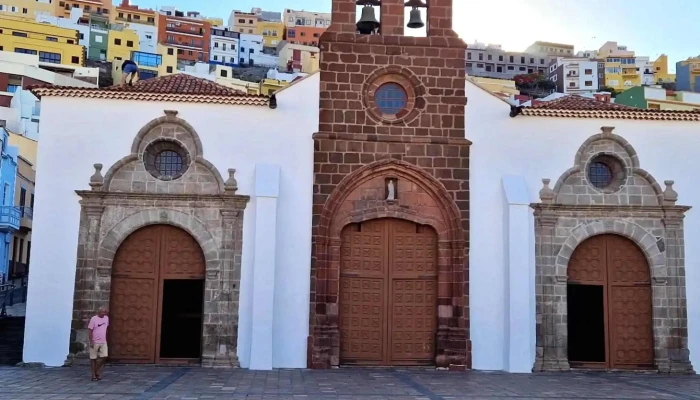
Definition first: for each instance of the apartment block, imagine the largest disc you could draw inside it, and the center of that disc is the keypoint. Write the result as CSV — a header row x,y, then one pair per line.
x,y
121,43
140,20
688,75
63,8
271,31
298,58
190,35
224,47
661,74
243,22
99,37
551,49
294,18
52,44
620,66
151,65
491,61
574,75
27,9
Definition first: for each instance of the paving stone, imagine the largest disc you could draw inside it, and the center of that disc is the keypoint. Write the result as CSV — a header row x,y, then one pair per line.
x,y
165,383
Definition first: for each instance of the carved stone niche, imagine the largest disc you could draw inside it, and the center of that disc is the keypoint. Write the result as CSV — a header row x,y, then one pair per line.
x,y
164,180
607,192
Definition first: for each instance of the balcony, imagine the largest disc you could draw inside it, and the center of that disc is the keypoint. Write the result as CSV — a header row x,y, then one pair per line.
x,y
136,21
572,74
26,217
9,218
199,32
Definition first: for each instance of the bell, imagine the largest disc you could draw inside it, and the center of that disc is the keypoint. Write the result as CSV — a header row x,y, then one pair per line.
x,y
368,23
416,21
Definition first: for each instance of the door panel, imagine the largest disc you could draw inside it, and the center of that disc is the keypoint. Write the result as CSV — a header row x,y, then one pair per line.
x,y
388,293
142,262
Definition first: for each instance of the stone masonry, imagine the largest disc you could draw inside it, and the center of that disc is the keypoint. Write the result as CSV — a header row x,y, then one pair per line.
x,y
426,140
637,209
200,202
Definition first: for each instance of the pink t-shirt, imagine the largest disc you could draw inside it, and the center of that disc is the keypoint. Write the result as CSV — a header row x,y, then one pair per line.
x,y
99,329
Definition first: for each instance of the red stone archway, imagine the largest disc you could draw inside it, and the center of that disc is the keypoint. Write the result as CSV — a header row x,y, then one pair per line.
x,y
360,197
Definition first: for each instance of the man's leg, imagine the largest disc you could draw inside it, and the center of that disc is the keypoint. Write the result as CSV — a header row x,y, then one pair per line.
x,y
100,364
124,75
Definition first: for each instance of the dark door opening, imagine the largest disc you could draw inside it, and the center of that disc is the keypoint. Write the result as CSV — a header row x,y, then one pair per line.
x,y
181,326
586,320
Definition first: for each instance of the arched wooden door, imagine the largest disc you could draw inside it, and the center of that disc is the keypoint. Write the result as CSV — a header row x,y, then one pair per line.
x,y
388,293
143,262
616,268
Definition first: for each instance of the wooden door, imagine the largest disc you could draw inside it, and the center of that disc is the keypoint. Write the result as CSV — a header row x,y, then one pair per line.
x,y
146,258
388,293
620,267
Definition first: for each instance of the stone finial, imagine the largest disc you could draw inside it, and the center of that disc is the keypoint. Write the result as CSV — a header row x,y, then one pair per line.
x,y
97,180
231,185
670,195
607,130
170,113
546,193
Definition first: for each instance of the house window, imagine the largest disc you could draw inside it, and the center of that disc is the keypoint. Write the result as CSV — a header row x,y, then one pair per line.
x,y
24,11
488,68
216,58
224,46
82,36
490,57
511,68
51,39
151,20
70,41
532,60
242,49
75,60
117,41
391,99
541,60
499,69
169,70
24,51
588,71
589,83
469,56
20,34
480,65
291,33
500,58
190,53
481,56
216,45
224,73
522,68
469,65
129,43
511,59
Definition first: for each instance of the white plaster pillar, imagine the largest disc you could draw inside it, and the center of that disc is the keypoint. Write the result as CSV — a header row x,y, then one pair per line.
x,y
519,324
267,184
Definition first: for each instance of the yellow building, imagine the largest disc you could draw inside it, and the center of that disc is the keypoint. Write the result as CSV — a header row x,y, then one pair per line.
x,y
27,147
52,44
215,21
121,43
620,66
27,9
63,7
151,65
270,86
271,31
224,76
661,74
299,58
503,88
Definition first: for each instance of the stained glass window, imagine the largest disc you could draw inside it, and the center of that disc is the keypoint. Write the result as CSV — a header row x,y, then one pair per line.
x,y
390,98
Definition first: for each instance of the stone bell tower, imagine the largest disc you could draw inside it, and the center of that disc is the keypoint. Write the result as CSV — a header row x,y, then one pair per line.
x,y
391,166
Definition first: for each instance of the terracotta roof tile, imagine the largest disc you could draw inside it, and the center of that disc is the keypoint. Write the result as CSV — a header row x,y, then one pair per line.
x,y
177,88
573,106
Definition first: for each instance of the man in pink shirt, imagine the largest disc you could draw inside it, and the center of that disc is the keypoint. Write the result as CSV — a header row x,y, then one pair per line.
x,y
98,342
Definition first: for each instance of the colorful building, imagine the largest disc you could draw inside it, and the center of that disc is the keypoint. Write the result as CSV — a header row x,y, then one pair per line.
x,y
27,9
214,21
552,49
121,43
304,35
10,215
189,35
151,65
294,18
63,8
224,46
99,37
298,58
661,74
271,31
688,74
243,22
658,98
620,66
21,241
142,21
52,44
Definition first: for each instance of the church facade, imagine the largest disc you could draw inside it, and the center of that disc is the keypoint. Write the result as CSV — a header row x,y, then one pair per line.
x,y
392,224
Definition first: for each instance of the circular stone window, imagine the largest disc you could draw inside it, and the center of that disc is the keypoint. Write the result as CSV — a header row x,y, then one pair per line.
x,y
606,173
390,99
166,160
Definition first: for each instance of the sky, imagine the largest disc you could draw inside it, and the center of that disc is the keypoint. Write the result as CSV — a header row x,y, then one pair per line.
x,y
648,27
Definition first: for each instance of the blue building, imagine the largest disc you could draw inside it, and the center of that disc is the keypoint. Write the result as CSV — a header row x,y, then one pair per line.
x,y
9,213
688,75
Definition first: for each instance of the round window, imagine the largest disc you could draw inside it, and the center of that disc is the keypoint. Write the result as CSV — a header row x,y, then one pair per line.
x,y
166,160
391,98
600,174
168,163
606,173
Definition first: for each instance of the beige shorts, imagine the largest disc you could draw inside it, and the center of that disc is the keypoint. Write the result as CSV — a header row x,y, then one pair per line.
x,y
98,351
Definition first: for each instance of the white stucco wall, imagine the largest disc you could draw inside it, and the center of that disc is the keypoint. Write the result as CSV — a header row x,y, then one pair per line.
x,y
232,137
536,148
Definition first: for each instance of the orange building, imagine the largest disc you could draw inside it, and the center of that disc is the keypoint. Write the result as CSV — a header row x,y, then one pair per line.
x,y
104,7
305,35
190,36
